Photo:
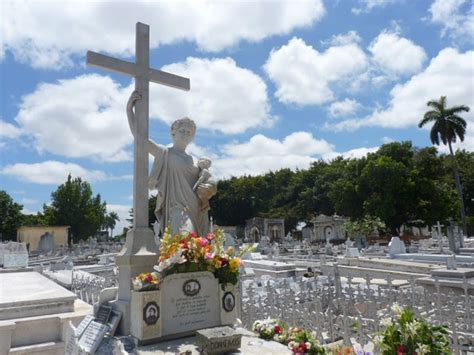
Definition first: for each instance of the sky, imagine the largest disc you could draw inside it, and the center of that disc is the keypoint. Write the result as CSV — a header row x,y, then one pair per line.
x,y
274,84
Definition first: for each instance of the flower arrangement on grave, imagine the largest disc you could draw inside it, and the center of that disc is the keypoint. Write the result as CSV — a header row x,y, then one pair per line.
x,y
298,340
302,341
407,334
189,252
146,281
271,329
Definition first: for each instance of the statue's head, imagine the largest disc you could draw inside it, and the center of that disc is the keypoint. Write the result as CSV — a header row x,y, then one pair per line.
x,y
183,130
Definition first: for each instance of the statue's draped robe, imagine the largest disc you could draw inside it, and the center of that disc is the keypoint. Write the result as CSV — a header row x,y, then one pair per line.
x,y
177,205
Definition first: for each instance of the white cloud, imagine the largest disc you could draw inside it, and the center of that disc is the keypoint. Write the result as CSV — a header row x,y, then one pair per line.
x,y
32,36
366,6
8,130
304,76
456,17
85,116
344,39
355,153
51,172
123,213
262,154
448,74
386,140
343,108
396,54
223,96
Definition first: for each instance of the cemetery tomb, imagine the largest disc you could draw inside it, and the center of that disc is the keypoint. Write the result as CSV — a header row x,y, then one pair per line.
x,y
34,313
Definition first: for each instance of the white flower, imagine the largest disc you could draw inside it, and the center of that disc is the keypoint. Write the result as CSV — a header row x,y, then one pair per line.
x,y
386,322
292,344
397,309
308,345
423,349
137,284
378,339
411,327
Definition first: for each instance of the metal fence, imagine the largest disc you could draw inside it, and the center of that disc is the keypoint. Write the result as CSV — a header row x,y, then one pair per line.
x,y
343,309
88,286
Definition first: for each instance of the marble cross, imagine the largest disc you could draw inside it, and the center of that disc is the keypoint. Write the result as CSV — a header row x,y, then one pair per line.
x,y
143,75
438,227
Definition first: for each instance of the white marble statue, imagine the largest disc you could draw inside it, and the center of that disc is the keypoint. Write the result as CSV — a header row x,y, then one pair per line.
x,y
173,175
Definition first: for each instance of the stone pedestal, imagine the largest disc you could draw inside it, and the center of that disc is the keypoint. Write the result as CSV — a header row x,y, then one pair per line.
x,y
139,254
185,303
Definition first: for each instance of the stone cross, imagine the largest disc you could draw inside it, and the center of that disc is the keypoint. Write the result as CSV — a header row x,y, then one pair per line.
x,y
143,74
438,228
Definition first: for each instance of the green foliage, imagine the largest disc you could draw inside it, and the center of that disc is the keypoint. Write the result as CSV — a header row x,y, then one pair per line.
x,y
407,334
110,221
10,216
73,204
398,184
447,127
365,226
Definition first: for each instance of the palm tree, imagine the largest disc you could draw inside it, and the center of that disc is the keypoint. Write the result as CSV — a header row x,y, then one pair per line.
x,y
110,221
447,127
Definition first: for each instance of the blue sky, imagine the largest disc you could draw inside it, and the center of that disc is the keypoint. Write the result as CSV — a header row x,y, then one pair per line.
x,y
274,84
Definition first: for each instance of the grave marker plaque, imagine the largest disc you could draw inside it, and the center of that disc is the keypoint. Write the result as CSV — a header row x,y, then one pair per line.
x,y
103,314
92,336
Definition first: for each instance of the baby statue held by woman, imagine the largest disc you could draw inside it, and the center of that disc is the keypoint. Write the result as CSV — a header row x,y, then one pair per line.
x,y
184,185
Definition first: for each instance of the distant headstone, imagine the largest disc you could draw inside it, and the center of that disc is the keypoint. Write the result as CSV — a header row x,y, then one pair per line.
x,y
361,242
15,255
451,262
2,252
396,246
352,253
46,243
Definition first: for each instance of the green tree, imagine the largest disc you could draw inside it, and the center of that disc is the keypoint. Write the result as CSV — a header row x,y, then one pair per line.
x,y
73,204
365,226
10,216
388,191
111,220
447,127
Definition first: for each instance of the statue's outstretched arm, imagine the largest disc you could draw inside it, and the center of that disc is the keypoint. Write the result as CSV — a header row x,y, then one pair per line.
x,y
154,149
134,97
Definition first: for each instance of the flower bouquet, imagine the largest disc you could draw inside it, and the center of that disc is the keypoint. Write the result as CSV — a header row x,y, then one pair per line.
x,y
406,334
189,252
271,329
302,341
146,281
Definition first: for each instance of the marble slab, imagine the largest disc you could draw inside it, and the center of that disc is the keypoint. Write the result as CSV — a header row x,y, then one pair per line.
x,y
28,294
189,301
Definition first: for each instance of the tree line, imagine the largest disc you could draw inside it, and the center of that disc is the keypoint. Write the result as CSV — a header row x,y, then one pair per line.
x,y
72,203
398,183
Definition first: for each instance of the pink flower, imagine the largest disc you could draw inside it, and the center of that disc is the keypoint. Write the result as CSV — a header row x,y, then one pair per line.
x,y
193,234
203,242
210,236
210,256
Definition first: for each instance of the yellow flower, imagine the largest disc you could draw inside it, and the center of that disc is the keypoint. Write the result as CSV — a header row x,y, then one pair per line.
x,y
234,264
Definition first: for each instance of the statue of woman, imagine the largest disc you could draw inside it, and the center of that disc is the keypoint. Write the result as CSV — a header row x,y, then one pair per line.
x,y
174,175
